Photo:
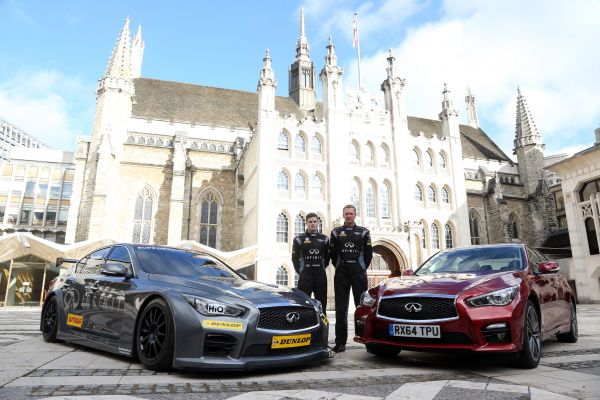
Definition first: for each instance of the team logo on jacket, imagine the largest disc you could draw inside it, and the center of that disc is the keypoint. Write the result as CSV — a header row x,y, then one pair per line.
x,y
349,245
313,251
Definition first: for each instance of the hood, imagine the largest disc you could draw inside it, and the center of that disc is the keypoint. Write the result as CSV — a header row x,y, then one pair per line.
x,y
451,284
244,289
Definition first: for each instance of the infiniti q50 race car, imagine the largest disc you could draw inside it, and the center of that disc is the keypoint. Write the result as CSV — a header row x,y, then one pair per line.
x,y
176,308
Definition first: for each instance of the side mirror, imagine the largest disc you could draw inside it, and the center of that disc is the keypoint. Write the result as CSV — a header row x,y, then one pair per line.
x,y
407,272
244,277
549,267
115,269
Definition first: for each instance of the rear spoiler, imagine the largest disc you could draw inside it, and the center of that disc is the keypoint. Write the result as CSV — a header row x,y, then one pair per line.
x,y
60,261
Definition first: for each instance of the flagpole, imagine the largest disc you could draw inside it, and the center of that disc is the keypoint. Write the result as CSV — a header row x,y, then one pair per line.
x,y
357,42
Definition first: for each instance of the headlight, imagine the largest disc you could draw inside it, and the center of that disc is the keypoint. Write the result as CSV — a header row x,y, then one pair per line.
x,y
366,300
500,297
213,307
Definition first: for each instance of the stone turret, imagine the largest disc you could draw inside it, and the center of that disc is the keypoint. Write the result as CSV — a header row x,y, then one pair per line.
x,y
137,54
302,72
471,109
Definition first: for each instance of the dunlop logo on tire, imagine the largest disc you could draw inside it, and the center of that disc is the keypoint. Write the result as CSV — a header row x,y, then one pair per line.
x,y
280,342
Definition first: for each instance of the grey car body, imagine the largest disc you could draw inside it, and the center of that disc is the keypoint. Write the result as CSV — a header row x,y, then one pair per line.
x,y
112,299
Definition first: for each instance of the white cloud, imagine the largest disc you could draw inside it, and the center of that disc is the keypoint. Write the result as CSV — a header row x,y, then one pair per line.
x,y
47,105
548,48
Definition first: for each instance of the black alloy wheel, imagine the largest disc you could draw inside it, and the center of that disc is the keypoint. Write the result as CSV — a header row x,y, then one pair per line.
x,y
155,336
50,320
529,356
573,334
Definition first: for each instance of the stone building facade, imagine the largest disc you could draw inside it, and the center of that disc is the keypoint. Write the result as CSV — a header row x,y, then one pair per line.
x,y
170,161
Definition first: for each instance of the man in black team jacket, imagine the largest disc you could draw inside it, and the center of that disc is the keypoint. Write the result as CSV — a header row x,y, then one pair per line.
x,y
310,255
351,254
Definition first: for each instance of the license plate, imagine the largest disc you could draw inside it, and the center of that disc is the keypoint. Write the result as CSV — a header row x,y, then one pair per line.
x,y
419,331
281,342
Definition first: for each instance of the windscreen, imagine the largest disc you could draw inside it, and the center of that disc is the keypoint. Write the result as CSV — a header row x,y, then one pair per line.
x,y
169,261
474,260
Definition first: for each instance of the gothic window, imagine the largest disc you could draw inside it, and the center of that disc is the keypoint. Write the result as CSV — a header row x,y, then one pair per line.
x,y
445,196
370,201
431,194
299,226
474,227
319,225
590,230
284,141
588,189
209,220
300,145
282,181
423,238
513,226
355,196
429,159
416,158
370,153
300,183
384,199
435,236
142,217
317,187
354,153
448,234
296,278
441,161
316,146
282,228
282,276
418,193
385,153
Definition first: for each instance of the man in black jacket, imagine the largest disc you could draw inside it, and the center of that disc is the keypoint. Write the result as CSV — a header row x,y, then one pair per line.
x,y
351,254
310,255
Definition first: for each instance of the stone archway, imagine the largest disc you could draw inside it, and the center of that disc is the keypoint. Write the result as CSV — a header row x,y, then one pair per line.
x,y
387,261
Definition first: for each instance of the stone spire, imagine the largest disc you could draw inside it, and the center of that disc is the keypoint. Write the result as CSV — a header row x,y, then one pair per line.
x,y
137,54
331,58
526,133
302,48
119,65
447,106
471,110
391,71
267,75
302,73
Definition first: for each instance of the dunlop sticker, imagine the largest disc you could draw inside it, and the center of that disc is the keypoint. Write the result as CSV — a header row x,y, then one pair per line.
x,y
215,324
74,320
280,342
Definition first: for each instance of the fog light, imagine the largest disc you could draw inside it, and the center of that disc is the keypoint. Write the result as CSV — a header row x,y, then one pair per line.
x,y
359,327
496,333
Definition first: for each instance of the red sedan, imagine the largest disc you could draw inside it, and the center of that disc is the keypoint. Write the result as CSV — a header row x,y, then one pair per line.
x,y
493,298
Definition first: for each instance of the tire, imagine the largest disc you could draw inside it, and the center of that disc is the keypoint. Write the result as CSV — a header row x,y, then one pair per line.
x,y
531,351
573,334
155,336
382,350
49,323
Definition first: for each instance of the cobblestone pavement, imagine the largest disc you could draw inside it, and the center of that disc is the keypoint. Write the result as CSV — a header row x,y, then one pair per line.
x,y
33,369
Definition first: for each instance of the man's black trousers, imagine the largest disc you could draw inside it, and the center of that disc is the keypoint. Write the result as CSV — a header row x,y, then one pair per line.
x,y
314,280
346,276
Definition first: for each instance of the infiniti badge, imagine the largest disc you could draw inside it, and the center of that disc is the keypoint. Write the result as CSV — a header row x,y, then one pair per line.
x,y
292,317
412,307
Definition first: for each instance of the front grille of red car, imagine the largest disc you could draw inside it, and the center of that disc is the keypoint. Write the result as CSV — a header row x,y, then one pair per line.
x,y
418,308
275,318
447,338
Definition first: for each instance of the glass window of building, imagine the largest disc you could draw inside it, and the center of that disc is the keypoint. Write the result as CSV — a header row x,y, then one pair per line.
x,y
282,181
317,187
315,145
300,183
299,225
384,194
142,220
209,220
448,234
370,201
300,145
283,142
282,228
431,194
418,193
282,276
435,236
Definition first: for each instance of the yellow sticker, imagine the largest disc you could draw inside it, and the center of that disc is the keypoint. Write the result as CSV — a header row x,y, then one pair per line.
x,y
325,320
280,342
216,324
74,320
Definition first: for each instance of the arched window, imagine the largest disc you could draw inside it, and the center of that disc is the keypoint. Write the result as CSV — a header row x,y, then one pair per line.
x,y
300,145
384,200
282,228
282,181
355,196
589,189
431,194
590,230
474,227
142,217
445,196
429,159
316,187
423,238
315,145
300,183
385,155
282,276
299,226
370,201
370,153
283,143
208,220
448,234
513,226
441,161
296,278
416,158
435,236
418,193
354,153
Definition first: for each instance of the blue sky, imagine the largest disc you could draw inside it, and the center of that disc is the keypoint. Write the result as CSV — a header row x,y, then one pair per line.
x,y
53,52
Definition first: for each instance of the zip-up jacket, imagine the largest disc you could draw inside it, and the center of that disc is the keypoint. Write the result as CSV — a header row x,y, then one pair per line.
x,y
351,245
310,251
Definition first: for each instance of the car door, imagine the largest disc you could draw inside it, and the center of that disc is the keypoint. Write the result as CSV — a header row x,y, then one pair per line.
x,y
70,291
543,284
111,292
562,307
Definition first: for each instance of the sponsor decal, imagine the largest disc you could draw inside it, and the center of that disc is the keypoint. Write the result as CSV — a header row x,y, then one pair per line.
x,y
343,234
313,251
216,324
307,240
349,244
281,342
74,320
325,320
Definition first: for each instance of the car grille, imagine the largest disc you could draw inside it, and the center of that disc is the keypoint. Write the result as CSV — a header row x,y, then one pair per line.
x,y
433,308
447,338
218,345
274,318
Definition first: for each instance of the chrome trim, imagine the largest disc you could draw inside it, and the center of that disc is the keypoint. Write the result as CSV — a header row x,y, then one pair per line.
x,y
417,321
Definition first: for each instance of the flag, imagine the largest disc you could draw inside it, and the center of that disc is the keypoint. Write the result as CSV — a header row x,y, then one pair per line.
x,y
355,37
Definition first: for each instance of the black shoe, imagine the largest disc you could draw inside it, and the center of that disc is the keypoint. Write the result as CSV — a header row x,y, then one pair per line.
x,y
339,348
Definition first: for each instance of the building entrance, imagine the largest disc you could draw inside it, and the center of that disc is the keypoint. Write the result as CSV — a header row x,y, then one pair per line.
x,y
384,264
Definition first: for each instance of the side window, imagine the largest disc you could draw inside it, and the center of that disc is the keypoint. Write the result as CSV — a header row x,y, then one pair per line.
x,y
95,260
120,255
80,266
534,260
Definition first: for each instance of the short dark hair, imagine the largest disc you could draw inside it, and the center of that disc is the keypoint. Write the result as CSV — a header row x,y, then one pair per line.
x,y
349,206
311,215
